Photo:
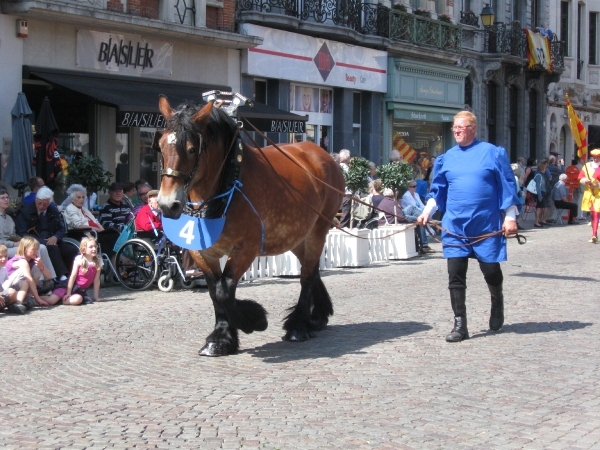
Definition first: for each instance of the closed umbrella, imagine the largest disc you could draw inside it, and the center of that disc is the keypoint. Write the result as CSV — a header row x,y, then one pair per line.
x,y
47,158
19,168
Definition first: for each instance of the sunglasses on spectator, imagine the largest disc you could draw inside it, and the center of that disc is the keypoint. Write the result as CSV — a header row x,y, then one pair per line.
x,y
412,185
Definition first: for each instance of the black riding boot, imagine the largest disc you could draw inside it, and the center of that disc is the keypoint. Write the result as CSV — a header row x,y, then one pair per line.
x,y
497,314
459,332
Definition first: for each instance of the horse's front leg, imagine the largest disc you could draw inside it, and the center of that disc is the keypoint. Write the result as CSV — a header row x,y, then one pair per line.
x,y
231,314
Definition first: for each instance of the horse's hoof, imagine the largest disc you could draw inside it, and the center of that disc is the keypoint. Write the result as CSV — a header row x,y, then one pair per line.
x,y
215,349
297,336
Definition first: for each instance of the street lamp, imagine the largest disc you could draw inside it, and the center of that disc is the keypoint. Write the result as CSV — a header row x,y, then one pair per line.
x,y
487,15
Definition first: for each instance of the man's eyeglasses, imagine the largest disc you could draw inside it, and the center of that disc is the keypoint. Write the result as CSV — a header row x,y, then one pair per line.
x,y
461,128
413,186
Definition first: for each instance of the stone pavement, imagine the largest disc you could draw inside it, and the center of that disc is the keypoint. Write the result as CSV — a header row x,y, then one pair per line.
x,y
125,373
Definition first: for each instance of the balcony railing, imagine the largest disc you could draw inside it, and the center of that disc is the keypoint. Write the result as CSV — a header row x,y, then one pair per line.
x,y
365,18
405,27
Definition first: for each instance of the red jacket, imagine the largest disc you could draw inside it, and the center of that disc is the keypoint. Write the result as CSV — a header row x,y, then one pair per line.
x,y
145,218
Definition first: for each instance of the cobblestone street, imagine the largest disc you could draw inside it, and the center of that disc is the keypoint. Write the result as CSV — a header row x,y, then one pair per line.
x,y
125,373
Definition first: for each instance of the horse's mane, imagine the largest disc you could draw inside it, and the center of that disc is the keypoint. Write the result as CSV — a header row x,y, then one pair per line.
x,y
219,125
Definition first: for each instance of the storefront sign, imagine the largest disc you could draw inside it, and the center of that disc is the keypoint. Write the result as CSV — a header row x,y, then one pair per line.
x,y
423,116
123,54
306,59
140,119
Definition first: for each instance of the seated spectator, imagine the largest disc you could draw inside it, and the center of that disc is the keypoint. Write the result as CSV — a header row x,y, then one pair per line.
x,y
44,222
10,238
148,217
35,183
413,206
6,300
23,271
115,213
560,195
87,201
76,214
393,213
375,189
142,197
78,217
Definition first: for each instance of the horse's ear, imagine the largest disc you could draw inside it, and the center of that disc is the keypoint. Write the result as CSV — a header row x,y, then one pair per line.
x,y
164,107
201,116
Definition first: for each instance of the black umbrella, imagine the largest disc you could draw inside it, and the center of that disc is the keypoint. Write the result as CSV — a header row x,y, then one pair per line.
x,y
47,159
19,168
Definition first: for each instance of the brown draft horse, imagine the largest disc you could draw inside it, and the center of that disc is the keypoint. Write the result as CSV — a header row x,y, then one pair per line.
x,y
196,148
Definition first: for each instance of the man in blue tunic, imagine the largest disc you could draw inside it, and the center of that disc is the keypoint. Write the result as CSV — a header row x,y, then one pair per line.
x,y
475,186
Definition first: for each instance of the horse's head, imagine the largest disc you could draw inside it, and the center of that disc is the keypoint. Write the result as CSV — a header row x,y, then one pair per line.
x,y
185,147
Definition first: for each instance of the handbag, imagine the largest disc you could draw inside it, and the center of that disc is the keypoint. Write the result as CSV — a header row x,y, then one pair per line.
x,y
531,187
127,233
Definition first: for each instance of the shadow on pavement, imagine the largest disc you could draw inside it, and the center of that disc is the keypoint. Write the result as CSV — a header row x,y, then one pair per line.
x,y
337,340
552,276
536,327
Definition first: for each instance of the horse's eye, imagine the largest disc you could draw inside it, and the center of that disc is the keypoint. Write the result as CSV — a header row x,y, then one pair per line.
x,y
191,150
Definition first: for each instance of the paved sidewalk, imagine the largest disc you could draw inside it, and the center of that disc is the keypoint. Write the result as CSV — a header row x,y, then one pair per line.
x,y
125,373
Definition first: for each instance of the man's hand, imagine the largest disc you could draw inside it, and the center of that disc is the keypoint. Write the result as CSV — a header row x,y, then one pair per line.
x,y
423,219
51,240
509,227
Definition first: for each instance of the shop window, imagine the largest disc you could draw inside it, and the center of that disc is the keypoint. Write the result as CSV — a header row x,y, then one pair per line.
x,y
418,141
317,103
579,44
148,163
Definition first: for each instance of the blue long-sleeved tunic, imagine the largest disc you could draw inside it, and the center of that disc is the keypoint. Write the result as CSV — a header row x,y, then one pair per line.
x,y
473,185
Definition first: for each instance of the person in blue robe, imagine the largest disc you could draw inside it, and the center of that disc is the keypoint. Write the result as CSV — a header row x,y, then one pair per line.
x,y
474,185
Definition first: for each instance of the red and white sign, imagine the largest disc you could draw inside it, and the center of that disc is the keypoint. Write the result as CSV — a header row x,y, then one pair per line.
x,y
306,59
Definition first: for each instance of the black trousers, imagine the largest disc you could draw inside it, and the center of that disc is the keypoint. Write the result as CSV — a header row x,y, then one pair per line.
x,y
572,207
457,273
62,255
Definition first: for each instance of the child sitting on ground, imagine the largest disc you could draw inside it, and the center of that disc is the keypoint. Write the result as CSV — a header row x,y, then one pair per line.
x,y
23,271
86,271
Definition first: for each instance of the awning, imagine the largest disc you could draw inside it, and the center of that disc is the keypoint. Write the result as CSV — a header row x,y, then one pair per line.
x,y
270,119
136,98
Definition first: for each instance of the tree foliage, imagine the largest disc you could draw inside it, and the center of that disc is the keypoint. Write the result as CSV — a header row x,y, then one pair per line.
x,y
395,175
357,177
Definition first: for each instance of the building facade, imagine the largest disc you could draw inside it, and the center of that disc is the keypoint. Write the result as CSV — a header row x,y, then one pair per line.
x,y
102,64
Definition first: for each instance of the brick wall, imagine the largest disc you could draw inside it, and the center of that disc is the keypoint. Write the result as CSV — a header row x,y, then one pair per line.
x,y
221,18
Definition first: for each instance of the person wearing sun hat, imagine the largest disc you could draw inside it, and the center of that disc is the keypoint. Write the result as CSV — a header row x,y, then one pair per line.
x,y
589,177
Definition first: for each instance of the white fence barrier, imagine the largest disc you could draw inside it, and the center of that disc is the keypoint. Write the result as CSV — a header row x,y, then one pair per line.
x,y
342,250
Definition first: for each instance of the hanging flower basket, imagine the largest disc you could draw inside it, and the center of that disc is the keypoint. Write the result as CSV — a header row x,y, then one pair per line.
x,y
400,7
445,18
421,12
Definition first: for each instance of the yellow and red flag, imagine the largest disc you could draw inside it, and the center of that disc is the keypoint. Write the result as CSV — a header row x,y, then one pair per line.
x,y
406,151
538,51
578,130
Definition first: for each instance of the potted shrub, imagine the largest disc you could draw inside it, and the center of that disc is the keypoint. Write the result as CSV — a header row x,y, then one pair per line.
x,y
89,172
400,7
395,176
445,18
422,12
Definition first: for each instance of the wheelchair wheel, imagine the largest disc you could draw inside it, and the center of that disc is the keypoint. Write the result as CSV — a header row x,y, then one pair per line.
x,y
166,283
136,264
187,284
